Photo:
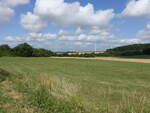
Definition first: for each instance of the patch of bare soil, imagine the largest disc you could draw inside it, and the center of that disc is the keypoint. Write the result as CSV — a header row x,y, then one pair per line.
x,y
3,74
17,98
11,92
124,59
111,59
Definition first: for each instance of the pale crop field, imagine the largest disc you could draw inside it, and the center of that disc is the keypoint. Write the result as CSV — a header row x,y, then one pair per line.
x,y
49,85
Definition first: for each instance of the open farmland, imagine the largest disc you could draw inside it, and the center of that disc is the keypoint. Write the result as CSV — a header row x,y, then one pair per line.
x,y
50,85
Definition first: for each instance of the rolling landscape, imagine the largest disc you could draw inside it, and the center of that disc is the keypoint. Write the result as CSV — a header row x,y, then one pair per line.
x,y
49,85
72,84
74,56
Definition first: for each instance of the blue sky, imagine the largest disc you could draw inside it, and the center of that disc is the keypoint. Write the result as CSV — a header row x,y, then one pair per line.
x,y
74,24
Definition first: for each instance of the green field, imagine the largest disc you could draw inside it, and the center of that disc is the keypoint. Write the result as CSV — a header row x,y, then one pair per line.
x,y
49,85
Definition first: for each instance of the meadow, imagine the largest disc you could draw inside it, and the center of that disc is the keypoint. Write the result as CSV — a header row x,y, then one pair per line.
x,y
50,85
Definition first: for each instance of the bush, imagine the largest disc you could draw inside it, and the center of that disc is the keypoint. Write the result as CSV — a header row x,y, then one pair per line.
x,y
41,53
88,55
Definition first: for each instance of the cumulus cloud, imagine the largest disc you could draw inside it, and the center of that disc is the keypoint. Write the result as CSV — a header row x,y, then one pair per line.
x,y
64,40
79,30
92,25
137,8
32,22
91,35
7,9
145,34
31,37
72,14
5,13
62,13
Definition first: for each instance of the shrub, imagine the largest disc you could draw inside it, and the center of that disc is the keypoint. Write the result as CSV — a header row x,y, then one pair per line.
x,y
88,55
41,53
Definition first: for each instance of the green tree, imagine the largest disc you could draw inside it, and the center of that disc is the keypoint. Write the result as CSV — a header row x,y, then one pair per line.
x,y
129,50
41,53
5,50
23,50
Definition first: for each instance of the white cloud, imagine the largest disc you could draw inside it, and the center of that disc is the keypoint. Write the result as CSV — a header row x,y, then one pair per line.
x,y
41,37
72,14
13,3
66,14
137,8
79,30
9,39
5,13
145,34
7,9
63,32
31,37
130,41
92,26
64,40
32,23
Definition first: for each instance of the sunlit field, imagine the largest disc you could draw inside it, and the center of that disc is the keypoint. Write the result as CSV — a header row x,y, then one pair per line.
x,y
49,85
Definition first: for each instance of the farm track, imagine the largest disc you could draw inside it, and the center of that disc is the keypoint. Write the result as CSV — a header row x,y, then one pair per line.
x,y
111,59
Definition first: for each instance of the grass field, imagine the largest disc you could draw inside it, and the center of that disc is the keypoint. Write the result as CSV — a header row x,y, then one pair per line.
x,y
49,85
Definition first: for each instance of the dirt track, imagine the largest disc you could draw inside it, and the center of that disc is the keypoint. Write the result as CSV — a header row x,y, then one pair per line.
x,y
112,59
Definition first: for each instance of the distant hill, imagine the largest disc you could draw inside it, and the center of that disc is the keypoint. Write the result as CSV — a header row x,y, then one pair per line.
x,y
129,50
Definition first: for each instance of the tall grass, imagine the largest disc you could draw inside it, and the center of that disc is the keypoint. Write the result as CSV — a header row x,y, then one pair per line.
x,y
52,94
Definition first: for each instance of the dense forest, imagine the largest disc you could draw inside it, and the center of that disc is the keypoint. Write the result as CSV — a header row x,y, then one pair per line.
x,y
26,50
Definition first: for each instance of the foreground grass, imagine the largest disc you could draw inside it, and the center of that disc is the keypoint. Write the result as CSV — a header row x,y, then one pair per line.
x,y
44,85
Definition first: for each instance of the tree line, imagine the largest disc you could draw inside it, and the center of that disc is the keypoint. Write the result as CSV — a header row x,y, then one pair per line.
x,y
24,50
130,50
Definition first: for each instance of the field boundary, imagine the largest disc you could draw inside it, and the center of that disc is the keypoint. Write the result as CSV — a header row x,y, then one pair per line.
x,y
110,59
